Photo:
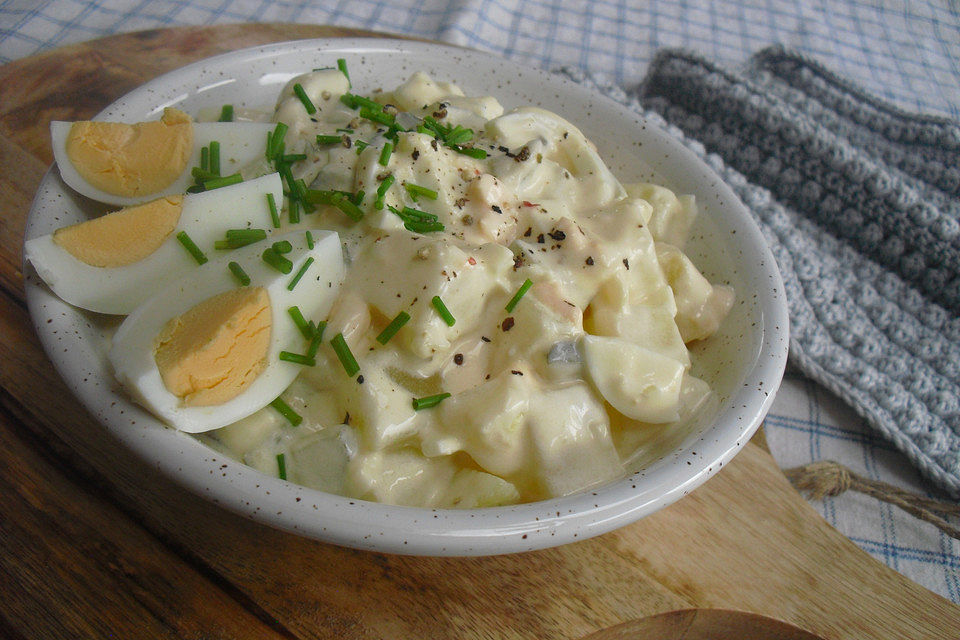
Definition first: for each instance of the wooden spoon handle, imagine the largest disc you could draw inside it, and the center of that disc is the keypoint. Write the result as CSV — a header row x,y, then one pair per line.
x,y
703,624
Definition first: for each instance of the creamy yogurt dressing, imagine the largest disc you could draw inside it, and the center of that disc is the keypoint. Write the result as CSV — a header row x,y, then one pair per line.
x,y
547,399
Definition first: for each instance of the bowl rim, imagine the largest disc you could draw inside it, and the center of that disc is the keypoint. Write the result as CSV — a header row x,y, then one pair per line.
x,y
418,531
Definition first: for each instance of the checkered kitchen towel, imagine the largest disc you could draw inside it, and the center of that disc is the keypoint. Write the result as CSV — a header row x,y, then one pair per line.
x,y
904,52
860,202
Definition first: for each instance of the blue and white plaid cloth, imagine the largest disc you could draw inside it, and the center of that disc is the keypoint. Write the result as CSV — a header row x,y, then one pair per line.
x,y
905,52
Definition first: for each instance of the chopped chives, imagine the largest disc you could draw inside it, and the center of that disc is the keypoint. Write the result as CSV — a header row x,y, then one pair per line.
x,y
287,175
320,196
191,247
310,243
277,261
304,98
473,152
458,135
416,191
274,214
225,181
303,269
418,226
361,145
196,188
416,214
281,466
342,65
237,238
443,311
292,416
204,159
347,131
325,140
293,157
519,294
282,246
352,211
340,199
254,235
382,191
380,117
301,187
259,234
276,140
318,330
240,274
343,352
391,329
214,158
416,220
354,101
294,211
301,322
316,340
357,198
429,401
434,127
385,154
297,358
200,174
226,113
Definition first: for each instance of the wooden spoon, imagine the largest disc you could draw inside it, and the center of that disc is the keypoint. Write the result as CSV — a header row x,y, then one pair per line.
x,y
704,624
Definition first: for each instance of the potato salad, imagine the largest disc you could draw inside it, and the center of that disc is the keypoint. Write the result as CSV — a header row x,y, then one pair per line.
x,y
473,311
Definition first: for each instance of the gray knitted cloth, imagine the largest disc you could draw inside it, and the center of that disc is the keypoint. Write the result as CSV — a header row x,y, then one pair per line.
x,y
860,203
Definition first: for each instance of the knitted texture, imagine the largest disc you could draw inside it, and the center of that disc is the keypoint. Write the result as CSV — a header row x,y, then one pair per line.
x,y
860,204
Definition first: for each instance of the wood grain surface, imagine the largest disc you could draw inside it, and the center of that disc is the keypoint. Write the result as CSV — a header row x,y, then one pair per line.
x,y
94,543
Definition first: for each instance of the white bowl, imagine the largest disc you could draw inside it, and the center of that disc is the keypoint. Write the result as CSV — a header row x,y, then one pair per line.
x,y
744,363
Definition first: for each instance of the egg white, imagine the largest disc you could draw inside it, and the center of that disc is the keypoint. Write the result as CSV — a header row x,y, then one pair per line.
x,y
132,351
205,217
241,144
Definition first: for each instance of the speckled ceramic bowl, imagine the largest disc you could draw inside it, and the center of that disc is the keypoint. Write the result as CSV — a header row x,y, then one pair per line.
x,y
744,363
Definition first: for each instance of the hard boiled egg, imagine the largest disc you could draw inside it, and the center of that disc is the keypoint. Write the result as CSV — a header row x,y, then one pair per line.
x,y
123,164
205,352
638,382
113,263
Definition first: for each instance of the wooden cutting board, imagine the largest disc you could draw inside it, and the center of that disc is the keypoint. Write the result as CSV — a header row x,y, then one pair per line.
x,y
95,543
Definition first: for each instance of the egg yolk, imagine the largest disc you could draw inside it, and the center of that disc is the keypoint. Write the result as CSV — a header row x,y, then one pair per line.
x,y
122,237
132,160
214,351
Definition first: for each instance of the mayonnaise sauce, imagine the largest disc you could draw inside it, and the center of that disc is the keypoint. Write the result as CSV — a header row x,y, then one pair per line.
x,y
547,399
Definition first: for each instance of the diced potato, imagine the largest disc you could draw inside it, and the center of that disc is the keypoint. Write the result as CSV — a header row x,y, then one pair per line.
x,y
652,328
380,407
472,489
563,144
405,272
571,444
491,432
637,382
701,306
419,90
402,477
319,460
672,215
